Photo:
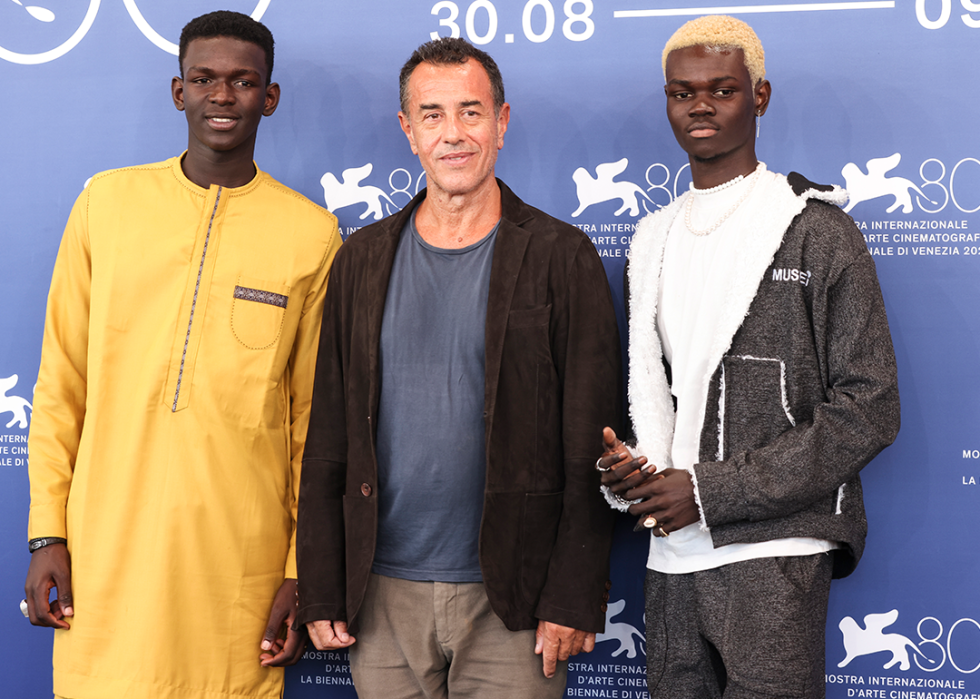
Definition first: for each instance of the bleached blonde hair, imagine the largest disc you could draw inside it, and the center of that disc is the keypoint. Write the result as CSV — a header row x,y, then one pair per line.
x,y
721,32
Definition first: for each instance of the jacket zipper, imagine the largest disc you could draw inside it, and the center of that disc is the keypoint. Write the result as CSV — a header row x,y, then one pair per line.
x,y
197,287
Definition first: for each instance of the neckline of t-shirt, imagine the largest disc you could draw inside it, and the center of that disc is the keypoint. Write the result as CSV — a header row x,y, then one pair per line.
x,y
449,251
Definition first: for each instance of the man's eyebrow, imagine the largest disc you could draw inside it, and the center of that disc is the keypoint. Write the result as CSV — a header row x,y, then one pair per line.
x,y
688,83
235,73
433,105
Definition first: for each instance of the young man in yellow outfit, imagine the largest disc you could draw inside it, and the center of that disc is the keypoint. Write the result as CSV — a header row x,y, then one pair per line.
x,y
173,399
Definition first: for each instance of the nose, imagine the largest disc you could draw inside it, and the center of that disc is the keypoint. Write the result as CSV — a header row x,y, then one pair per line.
x,y
701,107
222,93
452,132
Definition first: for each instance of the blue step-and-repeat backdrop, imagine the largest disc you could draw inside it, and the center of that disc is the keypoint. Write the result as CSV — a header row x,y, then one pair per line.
x,y
878,96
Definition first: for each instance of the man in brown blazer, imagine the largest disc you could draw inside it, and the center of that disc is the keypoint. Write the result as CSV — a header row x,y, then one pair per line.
x,y
450,516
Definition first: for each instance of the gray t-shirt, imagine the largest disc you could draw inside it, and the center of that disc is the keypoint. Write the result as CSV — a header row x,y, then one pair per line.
x,y
431,433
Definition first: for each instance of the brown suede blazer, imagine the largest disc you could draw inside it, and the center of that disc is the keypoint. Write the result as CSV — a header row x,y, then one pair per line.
x,y
553,380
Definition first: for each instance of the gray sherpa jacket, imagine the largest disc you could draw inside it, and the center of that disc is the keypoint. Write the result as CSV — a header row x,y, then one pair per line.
x,y
804,391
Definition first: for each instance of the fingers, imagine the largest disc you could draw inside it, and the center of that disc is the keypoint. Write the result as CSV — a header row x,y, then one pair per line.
x,y
665,488
619,471
44,613
613,451
50,568
62,581
285,652
636,474
272,630
651,515
669,499
549,654
283,610
609,460
329,635
270,639
610,441
589,644
313,631
340,633
554,643
571,646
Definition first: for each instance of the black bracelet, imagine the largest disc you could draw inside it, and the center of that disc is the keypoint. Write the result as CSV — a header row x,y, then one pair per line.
x,y
35,544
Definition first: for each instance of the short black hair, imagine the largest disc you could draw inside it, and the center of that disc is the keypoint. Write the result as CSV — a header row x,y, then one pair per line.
x,y
448,50
228,23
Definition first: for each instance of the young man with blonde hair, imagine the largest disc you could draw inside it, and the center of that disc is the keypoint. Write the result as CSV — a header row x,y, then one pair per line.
x,y
762,380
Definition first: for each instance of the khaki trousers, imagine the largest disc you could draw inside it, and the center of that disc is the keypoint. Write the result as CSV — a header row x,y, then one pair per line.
x,y
430,640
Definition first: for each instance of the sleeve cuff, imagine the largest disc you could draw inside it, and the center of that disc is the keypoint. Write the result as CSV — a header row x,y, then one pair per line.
x,y
47,521
290,570
702,524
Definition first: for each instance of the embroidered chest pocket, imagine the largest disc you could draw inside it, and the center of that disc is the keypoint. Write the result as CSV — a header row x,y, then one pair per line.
x,y
258,312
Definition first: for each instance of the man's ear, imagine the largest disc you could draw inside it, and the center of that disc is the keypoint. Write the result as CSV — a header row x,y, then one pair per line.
x,y
271,99
177,92
406,125
503,120
763,91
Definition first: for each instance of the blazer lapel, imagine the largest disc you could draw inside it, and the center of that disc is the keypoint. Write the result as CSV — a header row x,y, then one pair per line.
x,y
508,256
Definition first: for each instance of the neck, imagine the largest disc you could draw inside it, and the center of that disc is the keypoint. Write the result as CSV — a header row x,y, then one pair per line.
x,y
455,221
205,167
711,173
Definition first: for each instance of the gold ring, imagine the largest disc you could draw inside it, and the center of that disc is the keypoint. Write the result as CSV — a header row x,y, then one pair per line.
x,y
661,532
650,522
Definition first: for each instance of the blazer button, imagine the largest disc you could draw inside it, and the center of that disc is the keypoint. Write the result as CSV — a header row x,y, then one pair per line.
x,y
609,584
605,596
602,608
365,489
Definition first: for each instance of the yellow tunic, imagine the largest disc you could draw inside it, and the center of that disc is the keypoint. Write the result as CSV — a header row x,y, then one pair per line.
x,y
170,416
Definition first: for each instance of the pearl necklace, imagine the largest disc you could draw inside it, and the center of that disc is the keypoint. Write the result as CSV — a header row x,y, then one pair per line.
x,y
689,206
718,188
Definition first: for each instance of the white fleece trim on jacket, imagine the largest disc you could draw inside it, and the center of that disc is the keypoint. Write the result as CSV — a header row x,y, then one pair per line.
x,y
651,405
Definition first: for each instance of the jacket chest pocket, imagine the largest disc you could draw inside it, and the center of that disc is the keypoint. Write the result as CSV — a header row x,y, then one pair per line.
x,y
258,312
528,332
754,403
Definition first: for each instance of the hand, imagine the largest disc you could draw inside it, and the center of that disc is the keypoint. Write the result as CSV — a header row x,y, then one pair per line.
x,y
50,567
669,497
554,642
330,635
613,452
625,473
281,651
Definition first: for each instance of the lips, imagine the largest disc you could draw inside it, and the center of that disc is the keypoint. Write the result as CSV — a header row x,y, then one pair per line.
x,y
456,157
221,123
702,130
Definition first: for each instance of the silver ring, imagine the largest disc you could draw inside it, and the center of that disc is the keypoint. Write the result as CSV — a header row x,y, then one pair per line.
x,y
599,468
23,608
623,501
